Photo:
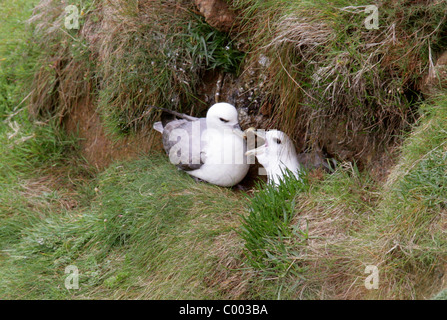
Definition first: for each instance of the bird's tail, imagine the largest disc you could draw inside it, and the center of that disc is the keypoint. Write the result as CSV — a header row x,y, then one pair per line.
x,y
175,113
158,126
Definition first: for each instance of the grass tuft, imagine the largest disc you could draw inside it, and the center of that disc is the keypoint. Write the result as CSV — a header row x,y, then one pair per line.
x,y
267,228
124,62
329,74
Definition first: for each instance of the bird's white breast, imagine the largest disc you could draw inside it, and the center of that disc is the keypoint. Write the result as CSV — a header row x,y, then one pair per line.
x,y
225,161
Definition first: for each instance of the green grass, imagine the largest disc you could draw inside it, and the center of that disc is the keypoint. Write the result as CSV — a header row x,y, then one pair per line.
x,y
333,211
132,65
144,230
267,227
414,203
441,295
141,229
145,222
23,145
166,77
16,56
327,68
399,227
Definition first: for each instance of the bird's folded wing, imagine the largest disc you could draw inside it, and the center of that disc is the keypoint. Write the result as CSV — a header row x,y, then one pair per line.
x,y
176,114
183,144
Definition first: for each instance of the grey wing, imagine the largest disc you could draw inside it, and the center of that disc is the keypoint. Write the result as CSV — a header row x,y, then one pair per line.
x,y
183,144
171,115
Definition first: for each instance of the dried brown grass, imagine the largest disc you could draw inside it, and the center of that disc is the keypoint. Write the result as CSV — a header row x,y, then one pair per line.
x,y
117,56
333,83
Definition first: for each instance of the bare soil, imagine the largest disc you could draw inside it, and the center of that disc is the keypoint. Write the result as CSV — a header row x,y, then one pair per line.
x,y
100,148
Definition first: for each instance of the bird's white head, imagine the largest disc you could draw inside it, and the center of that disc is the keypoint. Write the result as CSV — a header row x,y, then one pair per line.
x,y
276,154
277,147
222,116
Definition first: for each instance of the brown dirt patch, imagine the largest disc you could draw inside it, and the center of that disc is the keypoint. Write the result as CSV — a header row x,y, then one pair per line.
x,y
98,147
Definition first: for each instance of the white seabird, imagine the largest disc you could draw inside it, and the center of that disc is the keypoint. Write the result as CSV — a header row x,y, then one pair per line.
x,y
211,149
276,155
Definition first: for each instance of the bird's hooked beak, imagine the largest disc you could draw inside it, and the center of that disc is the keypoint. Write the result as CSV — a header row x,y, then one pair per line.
x,y
261,149
243,134
238,131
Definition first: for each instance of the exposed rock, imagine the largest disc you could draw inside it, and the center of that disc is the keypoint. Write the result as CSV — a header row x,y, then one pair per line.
x,y
316,159
217,14
244,91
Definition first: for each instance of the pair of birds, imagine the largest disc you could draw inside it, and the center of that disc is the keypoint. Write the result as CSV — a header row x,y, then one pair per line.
x,y
214,149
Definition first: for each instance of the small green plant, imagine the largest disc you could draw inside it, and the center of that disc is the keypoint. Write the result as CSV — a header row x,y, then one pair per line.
x,y
212,46
267,229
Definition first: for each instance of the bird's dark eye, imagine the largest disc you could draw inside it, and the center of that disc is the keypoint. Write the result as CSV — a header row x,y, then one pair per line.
x,y
277,140
223,120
